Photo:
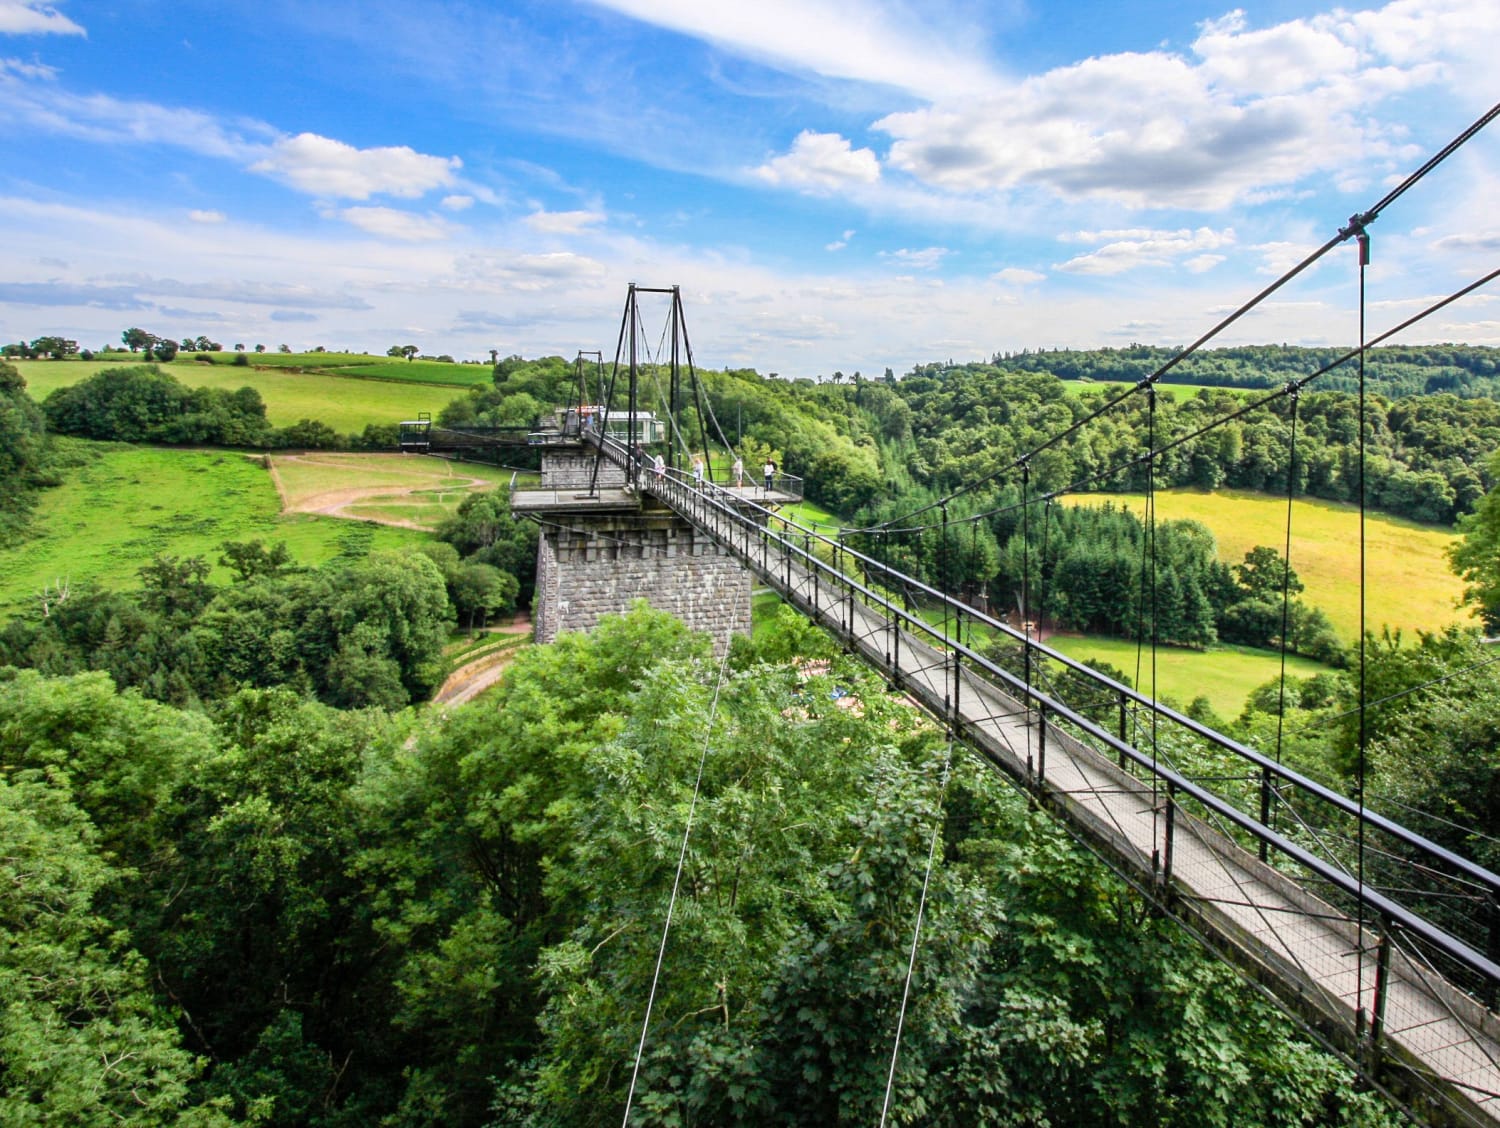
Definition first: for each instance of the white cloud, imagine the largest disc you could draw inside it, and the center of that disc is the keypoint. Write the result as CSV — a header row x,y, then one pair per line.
x,y
1129,250
1488,241
910,47
458,203
564,223
322,166
1279,60
1018,276
928,258
505,270
22,69
390,223
821,162
1245,116
32,17
198,215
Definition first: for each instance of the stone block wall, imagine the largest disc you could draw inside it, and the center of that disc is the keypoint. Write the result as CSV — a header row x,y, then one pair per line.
x,y
588,567
573,471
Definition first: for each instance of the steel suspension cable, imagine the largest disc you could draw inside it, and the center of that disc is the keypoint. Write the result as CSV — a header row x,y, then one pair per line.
x,y
687,830
1359,947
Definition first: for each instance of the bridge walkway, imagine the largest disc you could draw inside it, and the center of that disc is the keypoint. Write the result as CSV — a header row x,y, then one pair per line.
x,y
1373,992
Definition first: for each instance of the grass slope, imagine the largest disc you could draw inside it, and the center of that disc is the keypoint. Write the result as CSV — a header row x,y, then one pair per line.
x,y
393,488
129,503
1409,584
340,395
1225,675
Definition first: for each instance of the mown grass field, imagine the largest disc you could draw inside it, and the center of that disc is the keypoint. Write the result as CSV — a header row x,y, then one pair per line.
x,y
338,395
404,489
129,503
1225,675
1409,584
1179,392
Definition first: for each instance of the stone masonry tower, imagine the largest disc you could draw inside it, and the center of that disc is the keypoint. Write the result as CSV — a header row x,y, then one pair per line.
x,y
601,550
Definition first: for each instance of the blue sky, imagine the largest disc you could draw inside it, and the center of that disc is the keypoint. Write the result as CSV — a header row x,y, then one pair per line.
x,y
835,184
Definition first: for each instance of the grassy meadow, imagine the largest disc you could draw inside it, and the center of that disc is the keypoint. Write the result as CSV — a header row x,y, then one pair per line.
x,y
126,504
343,392
1179,392
399,489
1409,584
1225,675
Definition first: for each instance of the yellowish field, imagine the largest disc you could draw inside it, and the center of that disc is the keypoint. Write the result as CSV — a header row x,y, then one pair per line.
x,y
1409,584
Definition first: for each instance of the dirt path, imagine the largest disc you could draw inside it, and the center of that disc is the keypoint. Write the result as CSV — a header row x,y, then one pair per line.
x,y
473,678
335,503
470,680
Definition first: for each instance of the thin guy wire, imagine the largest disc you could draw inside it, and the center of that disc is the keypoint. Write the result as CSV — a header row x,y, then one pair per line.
x,y
916,934
687,830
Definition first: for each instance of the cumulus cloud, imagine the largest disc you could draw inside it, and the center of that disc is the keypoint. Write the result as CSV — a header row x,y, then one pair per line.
x,y
392,223
841,242
32,17
199,215
458,203
564,223
821,162
322,166
1141,247
1243,115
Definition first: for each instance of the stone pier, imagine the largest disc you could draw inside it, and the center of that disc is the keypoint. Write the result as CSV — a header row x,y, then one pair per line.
x,y
600,552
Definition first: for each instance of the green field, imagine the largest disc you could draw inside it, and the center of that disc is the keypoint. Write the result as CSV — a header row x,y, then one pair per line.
x,y
129,503
1225,675
1179,392
1409,584
344,402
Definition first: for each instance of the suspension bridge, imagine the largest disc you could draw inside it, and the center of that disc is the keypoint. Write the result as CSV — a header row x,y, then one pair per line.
x,y
1383,943
1360,958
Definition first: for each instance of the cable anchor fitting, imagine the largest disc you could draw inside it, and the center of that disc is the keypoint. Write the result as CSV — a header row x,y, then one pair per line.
x,y
1356,229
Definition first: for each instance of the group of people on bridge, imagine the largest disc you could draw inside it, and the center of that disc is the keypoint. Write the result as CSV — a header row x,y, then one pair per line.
x,y
737,471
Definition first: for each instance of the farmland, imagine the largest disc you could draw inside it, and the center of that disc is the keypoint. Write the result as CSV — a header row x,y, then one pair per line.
x,y
1410,586
126,504
345,396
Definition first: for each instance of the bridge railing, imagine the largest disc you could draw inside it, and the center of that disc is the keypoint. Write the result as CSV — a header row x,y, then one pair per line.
x,y
749,486
1403,894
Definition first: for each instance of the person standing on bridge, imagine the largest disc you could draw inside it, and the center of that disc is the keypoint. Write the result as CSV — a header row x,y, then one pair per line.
x,y
697,472
770,471
739,471
659,466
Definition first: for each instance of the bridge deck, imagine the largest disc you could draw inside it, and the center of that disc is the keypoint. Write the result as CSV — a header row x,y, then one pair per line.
x,y
1433,1039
